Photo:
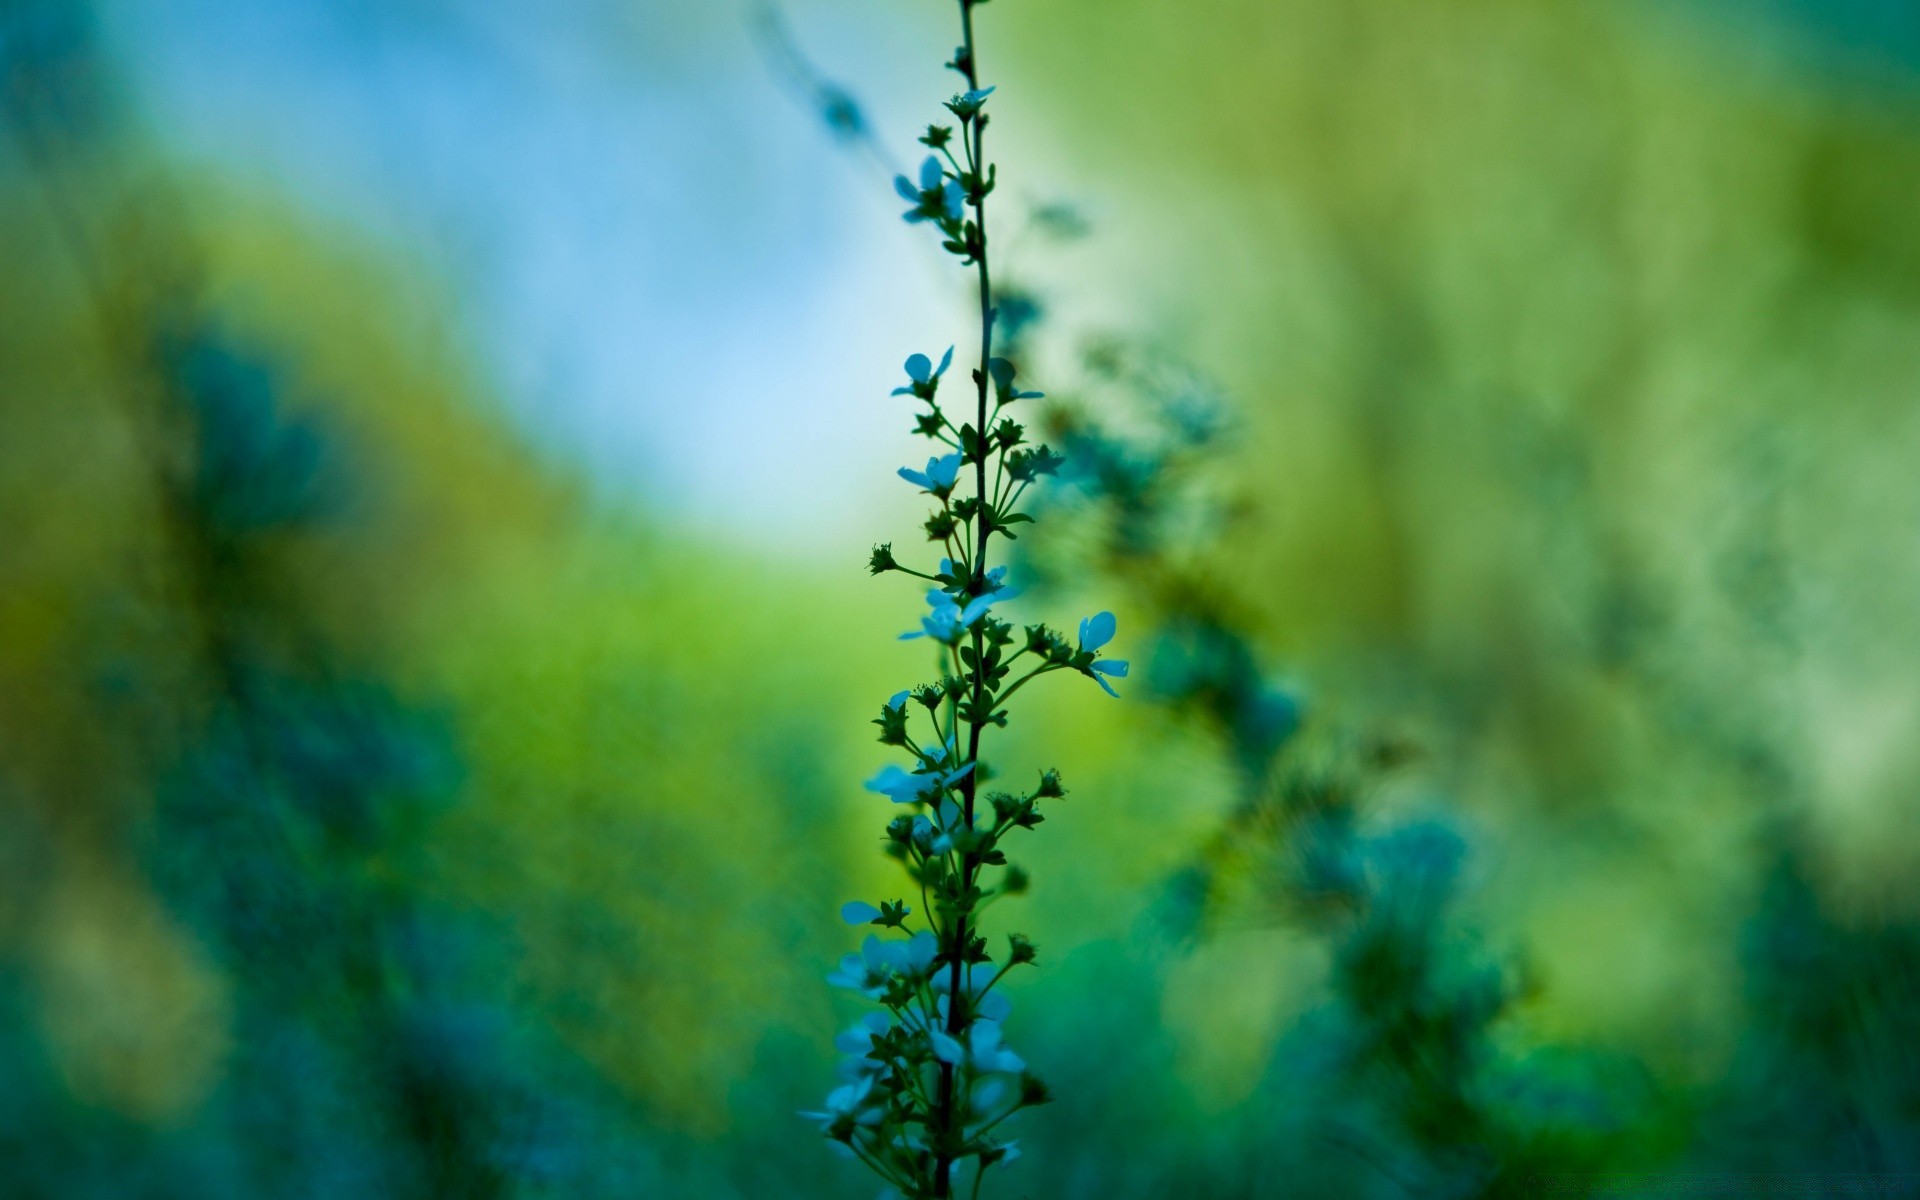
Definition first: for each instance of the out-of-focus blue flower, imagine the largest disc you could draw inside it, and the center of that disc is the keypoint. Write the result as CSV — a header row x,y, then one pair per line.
x,y
908,787
914,955
937,757
850,1100
1003,373
858,1040
1418,862
982,1052
974,980
987,1054
938,477
902,786
929,838
936,835
933,197
930,176
945,1048
987,1097
855,975
859,912
993,1006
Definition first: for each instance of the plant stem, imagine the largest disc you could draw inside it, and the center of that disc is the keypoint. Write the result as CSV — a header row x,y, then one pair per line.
x,y
944,1139
1039,670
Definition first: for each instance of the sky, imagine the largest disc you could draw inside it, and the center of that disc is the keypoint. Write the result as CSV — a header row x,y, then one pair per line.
x,y
671,274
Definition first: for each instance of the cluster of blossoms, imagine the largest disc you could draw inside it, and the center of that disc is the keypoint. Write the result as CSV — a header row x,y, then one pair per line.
x,y
928,1077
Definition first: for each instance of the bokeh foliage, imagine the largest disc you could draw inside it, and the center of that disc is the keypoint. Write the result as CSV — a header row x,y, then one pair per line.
x,y
1524,784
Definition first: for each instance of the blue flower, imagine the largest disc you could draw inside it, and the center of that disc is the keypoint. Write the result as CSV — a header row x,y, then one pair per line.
x,y
868,971
1097,630
937,755
936,759
933,777
939,476
1116,667
921,371
936,836
850,974
981,1003
915,955
929,839
987,1096
856,975
996,579
949,620
968,103
993,1006
986,1052
945,1048
983,1053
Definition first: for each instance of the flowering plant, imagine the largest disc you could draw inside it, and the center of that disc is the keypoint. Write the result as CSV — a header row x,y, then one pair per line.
x,y
929,1077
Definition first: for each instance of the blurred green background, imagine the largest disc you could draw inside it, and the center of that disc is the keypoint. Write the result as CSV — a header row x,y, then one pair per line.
x,y
438,446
